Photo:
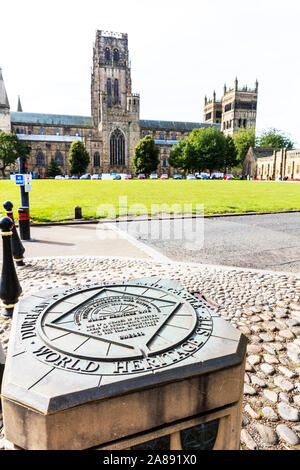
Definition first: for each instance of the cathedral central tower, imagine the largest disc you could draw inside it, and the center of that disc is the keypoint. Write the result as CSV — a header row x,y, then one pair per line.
x,y
115,109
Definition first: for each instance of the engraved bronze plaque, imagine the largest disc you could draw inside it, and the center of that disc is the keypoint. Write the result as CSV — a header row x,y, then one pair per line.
x,y
120,329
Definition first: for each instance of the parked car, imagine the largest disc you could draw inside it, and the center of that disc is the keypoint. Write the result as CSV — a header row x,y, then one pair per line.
x,y
59,177
191,177
204,176
164,177
117,177
74,177
217,176
85,177
177,177
96,177
153,176
141,176
127,177
228,177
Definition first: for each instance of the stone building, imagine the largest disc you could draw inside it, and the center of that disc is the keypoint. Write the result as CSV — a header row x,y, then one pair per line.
x,y
112,131
272,164
236,109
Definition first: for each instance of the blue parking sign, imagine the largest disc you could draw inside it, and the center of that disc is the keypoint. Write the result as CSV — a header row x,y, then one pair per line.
x,y
19,180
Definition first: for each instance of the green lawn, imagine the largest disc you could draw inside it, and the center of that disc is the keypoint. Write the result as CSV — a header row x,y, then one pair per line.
x,y
54,200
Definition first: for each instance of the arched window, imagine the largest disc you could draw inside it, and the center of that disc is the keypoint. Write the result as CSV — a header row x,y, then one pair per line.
x,y
41,130
59,158
164,162
108,93
77,133
96,159
107,53
40,159
116,55
116,91
173,136
117,148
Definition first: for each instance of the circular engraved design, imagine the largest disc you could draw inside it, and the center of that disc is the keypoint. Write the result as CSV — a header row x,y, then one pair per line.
x,y
120,328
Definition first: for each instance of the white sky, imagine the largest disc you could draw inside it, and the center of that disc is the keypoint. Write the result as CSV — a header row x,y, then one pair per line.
x,y
180,51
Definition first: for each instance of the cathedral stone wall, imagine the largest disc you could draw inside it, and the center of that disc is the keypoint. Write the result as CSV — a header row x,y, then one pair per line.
x,y
112,131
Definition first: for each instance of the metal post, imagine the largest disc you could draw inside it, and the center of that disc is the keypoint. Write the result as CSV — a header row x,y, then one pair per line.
x,y
10,289
18,249
23,211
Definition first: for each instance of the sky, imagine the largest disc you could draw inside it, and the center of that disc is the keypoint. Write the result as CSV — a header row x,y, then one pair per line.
x,y
180,51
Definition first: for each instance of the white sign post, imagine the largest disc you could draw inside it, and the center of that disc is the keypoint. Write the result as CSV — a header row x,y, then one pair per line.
x,y
28,183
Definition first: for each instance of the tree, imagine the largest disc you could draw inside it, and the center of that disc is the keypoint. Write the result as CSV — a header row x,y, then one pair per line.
x,y
11,148
53,169
243,140
79,158
177,155
145,158
209,145
230,157
273,138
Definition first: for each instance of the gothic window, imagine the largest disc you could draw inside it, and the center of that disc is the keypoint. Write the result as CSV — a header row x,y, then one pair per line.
x,y
96,159
116,55
116,91
109,93
77,132
173,136
164,162
59,158
40,159
57,132
91,134
165,150
117,148
107,53
41,130
161,136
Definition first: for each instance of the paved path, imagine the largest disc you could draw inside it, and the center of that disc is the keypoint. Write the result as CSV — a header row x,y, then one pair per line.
x,y
269,242
79,240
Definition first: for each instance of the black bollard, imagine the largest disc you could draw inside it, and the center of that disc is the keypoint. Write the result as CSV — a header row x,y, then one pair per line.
x,y
10,289
18,249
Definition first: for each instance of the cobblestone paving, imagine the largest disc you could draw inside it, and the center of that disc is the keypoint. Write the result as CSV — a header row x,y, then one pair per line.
x,y
264,306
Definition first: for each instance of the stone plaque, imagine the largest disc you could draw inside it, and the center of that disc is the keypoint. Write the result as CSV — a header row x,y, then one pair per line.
x,y
93,345
118,329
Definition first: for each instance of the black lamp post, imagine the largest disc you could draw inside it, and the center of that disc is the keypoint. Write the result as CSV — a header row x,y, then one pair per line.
x,y
10,289
18,249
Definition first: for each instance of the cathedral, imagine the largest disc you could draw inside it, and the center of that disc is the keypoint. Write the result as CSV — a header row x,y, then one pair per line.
x,y
114,128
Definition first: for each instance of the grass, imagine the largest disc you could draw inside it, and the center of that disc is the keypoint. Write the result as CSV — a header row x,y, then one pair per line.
x,y
54,200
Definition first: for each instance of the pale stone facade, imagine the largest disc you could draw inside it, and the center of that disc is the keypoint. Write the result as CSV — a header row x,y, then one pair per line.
x,y
237,109
272,164
111,132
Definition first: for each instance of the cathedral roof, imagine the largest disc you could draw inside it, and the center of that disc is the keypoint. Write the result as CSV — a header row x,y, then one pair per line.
x,y
175,125
51,119
3,96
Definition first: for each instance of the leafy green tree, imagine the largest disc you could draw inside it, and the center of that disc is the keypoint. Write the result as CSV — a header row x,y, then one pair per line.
x,y
273,138
79,158
243,140
53,169
209,146
11,148
177,155
146,156
230,156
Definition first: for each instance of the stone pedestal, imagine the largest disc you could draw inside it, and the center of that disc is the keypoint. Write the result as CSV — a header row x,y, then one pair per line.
x,y
140,364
